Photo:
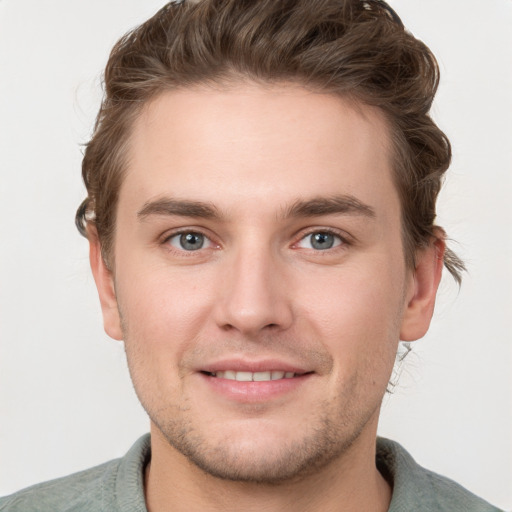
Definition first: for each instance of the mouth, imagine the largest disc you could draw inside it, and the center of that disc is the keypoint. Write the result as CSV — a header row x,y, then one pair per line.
x,y
261,376
260,382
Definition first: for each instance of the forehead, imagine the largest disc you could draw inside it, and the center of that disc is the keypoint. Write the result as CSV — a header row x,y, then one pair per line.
x,y
253,145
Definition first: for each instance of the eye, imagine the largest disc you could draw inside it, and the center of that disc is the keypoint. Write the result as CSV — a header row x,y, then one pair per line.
x,y
320,241
189,241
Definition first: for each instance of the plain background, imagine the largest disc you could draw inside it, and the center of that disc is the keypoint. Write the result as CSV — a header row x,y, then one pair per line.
x,y
66,401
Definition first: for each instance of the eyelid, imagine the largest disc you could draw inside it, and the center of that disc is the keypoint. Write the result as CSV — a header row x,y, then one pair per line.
x,y
344,237
168,235
176,239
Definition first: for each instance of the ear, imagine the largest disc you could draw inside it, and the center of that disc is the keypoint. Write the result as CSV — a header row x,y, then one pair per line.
x,y
105,285
422,290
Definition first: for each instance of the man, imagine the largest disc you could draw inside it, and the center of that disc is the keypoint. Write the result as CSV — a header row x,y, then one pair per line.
x,y
261,201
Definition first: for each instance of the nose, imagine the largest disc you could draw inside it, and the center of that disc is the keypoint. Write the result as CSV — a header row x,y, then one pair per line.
x,y
254,294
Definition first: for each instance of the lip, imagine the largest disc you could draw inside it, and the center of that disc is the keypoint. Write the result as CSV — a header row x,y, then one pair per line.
x,y
253,392
242,365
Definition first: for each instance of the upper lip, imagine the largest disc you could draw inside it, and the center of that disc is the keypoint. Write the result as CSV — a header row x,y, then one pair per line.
x,y
243,365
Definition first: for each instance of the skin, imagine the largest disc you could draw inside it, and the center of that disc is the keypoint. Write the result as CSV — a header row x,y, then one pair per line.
x,y
232,165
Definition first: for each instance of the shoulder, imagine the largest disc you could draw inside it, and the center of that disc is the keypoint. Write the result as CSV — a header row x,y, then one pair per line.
x,y
64,494
416,488
110,486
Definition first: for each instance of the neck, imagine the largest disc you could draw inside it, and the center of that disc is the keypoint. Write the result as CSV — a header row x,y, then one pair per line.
x,y
349,483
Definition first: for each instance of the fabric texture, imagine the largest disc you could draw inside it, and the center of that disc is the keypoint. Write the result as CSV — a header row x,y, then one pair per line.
x,y
118,486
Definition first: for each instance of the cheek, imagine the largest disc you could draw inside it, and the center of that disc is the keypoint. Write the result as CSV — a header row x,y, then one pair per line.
x,y
355,298
357,316
163,311
162,316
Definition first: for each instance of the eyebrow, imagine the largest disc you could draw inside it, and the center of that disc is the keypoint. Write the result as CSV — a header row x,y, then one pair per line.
x,y
344,204
316,207
182,208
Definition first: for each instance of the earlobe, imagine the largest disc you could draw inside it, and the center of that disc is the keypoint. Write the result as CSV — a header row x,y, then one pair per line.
x,y
421,295
105,286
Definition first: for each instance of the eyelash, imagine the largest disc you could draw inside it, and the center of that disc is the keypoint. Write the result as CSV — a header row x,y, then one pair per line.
x,y
342,237
168,237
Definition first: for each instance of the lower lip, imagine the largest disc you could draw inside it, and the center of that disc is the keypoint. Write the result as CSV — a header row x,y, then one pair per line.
x,y
254,392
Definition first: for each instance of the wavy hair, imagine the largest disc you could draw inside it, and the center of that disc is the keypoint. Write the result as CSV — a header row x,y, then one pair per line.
x,y
352,48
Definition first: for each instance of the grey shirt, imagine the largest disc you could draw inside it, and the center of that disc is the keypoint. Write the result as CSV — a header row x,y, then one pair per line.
x,y
118,486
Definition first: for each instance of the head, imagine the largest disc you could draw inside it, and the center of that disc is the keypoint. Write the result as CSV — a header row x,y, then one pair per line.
x,y
261,187
352,49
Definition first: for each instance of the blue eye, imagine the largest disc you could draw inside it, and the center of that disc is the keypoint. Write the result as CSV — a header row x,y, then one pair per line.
x,y
320,241
188,241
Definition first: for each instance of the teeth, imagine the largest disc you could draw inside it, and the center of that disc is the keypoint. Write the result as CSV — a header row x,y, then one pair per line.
x,y
256,376
244,376
261,376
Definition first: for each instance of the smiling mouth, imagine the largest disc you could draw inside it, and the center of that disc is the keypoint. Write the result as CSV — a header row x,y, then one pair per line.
x,y
254,376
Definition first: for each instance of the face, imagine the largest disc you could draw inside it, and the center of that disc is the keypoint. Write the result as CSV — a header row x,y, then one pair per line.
x,y
259,281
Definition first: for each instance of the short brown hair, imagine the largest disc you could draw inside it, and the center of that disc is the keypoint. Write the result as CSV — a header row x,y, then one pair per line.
x,y
353,48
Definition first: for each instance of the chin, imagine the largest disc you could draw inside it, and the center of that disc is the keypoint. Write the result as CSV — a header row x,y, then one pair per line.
x,y
261,454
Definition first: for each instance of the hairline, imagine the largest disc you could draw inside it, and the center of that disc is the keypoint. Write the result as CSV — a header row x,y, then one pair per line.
x,y
232,79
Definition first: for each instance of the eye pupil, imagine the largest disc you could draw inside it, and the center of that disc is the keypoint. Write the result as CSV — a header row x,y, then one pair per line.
x,y
191,241
322,241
